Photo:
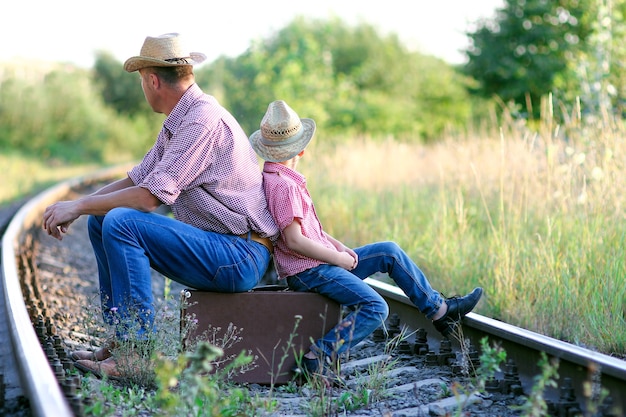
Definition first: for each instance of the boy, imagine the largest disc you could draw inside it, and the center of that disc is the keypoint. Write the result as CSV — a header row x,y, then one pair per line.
x,y
312,260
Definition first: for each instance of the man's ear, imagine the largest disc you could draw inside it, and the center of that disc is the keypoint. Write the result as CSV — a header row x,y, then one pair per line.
x,y
155,80
301,153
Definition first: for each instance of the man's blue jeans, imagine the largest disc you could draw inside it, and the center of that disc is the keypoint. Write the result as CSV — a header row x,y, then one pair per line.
x,y
368,309
129,243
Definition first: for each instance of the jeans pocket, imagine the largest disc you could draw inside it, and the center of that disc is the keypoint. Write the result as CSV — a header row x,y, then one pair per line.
x,y
239,277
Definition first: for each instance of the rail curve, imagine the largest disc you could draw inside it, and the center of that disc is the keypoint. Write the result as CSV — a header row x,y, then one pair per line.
x,y
37,377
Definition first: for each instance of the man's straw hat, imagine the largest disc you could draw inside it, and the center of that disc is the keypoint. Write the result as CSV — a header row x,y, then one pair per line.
x,y
166,50
283,134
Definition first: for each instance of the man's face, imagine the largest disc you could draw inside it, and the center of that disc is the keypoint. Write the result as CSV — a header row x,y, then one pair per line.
x,y
147,85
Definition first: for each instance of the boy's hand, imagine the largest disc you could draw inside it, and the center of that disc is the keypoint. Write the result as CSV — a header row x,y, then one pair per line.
x,y
346,261
354,255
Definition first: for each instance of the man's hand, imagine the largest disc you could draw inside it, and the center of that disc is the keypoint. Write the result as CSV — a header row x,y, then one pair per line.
x,y
58,217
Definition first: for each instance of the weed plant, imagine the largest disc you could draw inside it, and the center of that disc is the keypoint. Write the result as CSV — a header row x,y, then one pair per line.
x,y
491,358
222,339
189,385
536,405
333,396
56,113
374,388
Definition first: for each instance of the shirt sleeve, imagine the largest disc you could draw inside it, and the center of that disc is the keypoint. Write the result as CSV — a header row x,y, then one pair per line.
x,y
286,205
139,172
187,154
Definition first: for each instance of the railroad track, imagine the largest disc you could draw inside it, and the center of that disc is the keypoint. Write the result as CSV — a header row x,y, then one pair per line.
x,y
11,393
41,356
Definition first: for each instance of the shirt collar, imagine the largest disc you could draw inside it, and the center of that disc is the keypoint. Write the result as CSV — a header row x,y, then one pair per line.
x,y
280,169
174,119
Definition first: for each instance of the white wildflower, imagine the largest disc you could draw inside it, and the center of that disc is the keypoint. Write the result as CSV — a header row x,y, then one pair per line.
x,y
579,159
597,173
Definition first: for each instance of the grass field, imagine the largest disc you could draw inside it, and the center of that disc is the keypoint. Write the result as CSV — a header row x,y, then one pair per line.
x,y
536,217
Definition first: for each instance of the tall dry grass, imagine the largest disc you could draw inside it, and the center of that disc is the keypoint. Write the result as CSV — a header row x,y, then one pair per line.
x,y
534,215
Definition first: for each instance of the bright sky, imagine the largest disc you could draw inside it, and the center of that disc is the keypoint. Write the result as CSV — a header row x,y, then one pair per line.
x,y
73,30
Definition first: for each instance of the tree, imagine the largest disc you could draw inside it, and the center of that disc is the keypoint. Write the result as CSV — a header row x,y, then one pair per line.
x,y
349,79
289,66
119,89
600,66
59,114
519,55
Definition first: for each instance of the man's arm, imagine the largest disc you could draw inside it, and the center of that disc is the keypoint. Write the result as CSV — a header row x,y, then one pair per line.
x,y
301,244
123,193
115,186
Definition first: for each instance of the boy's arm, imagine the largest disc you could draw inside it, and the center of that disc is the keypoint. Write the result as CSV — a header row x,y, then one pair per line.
x,y
297,242
341,247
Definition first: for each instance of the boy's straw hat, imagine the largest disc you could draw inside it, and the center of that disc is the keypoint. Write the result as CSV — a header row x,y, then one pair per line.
x,y
165,50
283,134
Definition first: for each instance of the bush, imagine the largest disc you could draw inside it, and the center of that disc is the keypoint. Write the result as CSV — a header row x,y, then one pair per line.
x,y
56,113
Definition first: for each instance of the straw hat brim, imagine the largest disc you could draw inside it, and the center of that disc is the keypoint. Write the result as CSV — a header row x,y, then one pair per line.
x,y
138,62
280,152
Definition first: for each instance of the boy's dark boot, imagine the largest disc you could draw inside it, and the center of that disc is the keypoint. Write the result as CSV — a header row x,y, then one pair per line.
x,y
458,307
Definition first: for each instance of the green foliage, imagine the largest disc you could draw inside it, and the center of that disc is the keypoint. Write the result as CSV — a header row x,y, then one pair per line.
x,y
353,400
526,218
186,385
520,55
25,174
571,49
599,66
536,405
133,400
56,113
189,385
119,89
490,360
351,80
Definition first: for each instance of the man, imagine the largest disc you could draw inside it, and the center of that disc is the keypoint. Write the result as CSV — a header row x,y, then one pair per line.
x,y
204,168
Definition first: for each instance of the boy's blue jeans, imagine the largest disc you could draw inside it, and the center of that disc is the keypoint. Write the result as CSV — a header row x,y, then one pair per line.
x,y
368,309
128,243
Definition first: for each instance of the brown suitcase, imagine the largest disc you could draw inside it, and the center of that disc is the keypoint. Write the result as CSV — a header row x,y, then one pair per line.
x,y
261,322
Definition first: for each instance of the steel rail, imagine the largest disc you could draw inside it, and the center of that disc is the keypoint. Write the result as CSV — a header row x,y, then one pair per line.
x,y
524,347
37,377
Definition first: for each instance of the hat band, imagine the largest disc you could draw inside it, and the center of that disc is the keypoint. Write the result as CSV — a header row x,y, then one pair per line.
x,y
182,61
293,139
